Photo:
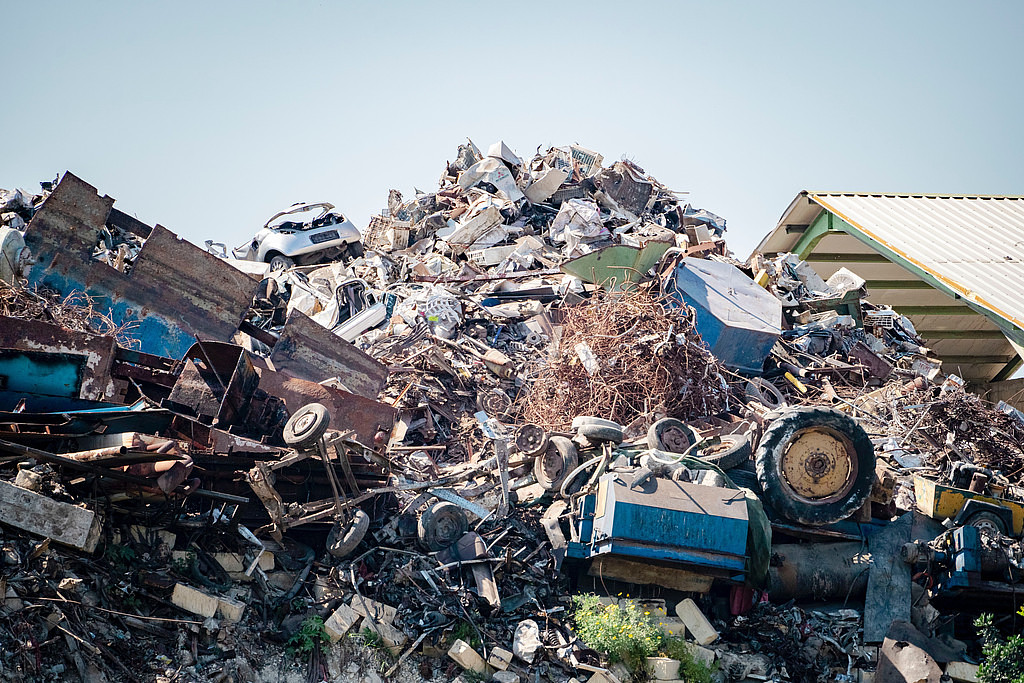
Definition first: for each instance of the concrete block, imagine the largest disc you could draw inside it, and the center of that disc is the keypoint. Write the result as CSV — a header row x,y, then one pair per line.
x,y
962,672
701,654
365,607
394,638
505,677
229,610
194,600
340,622
672,627
49,518
696,623
500,658
663,668
324,591
466,657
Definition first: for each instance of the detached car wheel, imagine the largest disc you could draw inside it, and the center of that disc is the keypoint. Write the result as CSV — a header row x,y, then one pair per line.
x,y
558,460
441,525
732,451
342,540
598,433
670,435
306,426
815,465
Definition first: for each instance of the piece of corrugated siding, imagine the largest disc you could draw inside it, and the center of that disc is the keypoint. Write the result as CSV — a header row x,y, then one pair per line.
x,y
974,244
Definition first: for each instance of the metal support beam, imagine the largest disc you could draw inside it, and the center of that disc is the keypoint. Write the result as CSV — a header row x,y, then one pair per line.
x,y
898,284
934,310
846,258
961,334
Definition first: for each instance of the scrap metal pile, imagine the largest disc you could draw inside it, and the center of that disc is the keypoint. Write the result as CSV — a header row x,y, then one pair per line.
x,y
547,377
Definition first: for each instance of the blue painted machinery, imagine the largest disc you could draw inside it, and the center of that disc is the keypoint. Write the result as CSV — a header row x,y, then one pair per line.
x,y
737,319
701,528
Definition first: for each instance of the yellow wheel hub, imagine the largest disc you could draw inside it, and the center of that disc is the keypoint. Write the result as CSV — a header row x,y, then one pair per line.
x,y
818,464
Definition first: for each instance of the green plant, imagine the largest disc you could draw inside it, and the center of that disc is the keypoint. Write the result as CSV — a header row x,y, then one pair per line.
x,y
310,635
121,555
690,670
464,631
471,676
624,633
183,565
371,639
1003,659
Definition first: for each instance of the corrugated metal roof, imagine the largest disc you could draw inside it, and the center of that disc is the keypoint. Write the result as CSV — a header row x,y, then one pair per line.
x,y
965,249
973,244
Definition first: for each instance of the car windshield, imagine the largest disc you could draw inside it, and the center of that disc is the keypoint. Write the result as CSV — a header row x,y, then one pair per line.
x,y
302,214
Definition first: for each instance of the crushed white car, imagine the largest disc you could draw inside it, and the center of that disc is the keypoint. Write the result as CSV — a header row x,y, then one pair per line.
x,y
303,234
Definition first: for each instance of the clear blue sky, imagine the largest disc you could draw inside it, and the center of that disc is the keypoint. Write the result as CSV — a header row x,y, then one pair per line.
x,y
208,117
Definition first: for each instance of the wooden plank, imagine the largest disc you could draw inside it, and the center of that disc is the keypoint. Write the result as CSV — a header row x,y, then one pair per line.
x,y
37,514
640,573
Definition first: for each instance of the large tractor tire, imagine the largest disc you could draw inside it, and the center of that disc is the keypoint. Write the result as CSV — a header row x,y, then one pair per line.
x,y
815,465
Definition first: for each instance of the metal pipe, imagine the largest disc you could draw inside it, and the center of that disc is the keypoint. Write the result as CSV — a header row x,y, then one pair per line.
x,y
818,571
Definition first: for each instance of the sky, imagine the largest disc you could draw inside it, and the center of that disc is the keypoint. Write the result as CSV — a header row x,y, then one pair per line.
x,y
208,117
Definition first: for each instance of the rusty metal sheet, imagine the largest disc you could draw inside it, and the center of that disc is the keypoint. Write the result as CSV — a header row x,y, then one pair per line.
x,y
348,411
626,186
174,291
309,350
94,355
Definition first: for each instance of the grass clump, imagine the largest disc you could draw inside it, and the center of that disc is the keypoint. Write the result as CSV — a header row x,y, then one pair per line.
x,y
690,670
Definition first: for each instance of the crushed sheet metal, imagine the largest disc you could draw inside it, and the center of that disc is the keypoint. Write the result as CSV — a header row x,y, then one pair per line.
x,y
452,497
174,291
94,353
308,349
361,415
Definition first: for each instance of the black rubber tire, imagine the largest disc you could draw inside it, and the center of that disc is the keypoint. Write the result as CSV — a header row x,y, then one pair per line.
x,y
342,544
355,250
764,392
598,433
280,262
306,426
441,525
558,459
986,521
733,451
670,435
791,425
581,420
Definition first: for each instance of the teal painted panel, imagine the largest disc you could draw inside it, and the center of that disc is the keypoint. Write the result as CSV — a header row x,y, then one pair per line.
x,y
41,374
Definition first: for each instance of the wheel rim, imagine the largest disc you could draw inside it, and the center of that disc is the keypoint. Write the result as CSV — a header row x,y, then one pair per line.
x,y
674,438
531,439
552,463
987,526
304,423
819,465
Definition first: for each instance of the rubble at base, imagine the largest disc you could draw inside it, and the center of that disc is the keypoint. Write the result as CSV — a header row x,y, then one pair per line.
x,y
548,378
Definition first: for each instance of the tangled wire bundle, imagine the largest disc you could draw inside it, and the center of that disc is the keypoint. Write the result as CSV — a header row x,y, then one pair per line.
x,y
77,311
621,356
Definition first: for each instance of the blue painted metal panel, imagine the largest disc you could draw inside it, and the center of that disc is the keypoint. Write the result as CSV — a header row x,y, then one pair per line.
x,y
44,374
696,525
738,320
